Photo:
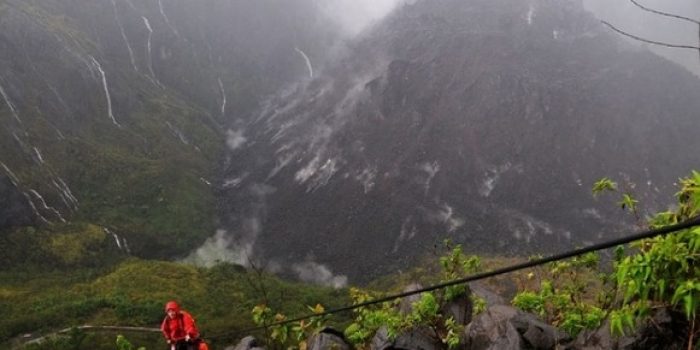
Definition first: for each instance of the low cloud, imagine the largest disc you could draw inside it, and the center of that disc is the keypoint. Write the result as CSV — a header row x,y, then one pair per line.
x,y
218,249
235,139
316,273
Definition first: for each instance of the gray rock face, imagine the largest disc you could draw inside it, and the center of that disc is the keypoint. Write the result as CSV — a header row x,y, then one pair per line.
x,y
418,339
663,330
461,119
328,339
504,327
15,210
247,343
460,309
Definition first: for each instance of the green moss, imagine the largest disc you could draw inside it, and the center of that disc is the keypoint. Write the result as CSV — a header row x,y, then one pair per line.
x,y
73,247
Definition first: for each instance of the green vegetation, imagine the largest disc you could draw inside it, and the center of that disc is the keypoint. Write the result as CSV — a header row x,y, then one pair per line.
x,y
133,294
658,272
429,311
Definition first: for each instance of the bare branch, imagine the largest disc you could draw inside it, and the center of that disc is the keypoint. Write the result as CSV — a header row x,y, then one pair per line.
x,y
650,41
664,13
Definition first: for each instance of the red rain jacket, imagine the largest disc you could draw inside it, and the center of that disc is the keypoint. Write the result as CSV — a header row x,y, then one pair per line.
x,y
180,326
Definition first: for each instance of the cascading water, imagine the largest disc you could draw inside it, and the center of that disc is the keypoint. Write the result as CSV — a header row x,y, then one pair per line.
x,y
106,88
165,17
13,177
47,207
126,39
34,209
308,62
66,195
223,97
177,133
149,57
38,155
13,110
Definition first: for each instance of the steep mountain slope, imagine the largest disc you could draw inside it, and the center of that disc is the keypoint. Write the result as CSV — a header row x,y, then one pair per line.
x,y
483,121
111,112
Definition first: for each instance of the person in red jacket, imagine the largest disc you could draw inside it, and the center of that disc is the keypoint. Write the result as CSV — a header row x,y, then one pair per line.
x,y
179,328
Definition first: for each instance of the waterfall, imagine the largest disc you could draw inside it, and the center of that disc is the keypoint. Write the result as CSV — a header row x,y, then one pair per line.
x,y
177,133
308,62
148,52
106,88
66,195
131,4
126,40
38,155
167,21
13,110
43,203
530,13
223,97
36,212
13,177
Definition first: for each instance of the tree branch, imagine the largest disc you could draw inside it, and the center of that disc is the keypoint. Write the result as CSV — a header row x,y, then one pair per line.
x,y
664,13
650,41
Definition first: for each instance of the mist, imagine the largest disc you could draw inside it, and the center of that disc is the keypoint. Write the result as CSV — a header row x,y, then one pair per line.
x,y
353,16
624,15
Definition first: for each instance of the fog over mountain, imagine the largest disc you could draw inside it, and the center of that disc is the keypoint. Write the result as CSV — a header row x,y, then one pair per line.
x,y
485,122
335,140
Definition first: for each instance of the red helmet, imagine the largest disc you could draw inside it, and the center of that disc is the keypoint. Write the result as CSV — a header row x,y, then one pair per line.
x,y
171,305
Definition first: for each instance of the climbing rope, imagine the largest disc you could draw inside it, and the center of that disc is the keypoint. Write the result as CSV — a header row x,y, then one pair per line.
x,y
479,276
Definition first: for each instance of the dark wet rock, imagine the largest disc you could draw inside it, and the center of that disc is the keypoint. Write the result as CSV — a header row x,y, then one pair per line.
x,y
491,330
247,343
328,339
418,339
406,304
664,329
460,308
504,327
537,334
15,209
489,296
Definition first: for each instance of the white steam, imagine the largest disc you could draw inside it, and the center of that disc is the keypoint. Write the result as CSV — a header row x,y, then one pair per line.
x,y
235,139
353,16
313,272
220,248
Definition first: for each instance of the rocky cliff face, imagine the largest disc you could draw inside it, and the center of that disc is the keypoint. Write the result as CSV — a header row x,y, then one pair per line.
x,y
483,121
114,112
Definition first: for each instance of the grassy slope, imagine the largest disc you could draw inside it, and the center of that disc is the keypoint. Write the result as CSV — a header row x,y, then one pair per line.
x,y
132,294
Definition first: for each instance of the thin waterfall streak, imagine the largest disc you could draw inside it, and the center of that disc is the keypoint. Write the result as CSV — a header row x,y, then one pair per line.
x,y
223,97
126,39
13,110
131,4
149,56
13,177
308,61
70,193
38,155
165,17
106,88
43,203
67,197
34,209
177,133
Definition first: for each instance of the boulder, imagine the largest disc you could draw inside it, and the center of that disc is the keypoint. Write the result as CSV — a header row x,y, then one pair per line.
x,y
247,343
328,338
460,308
418,339
504,327
406,304
664,329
